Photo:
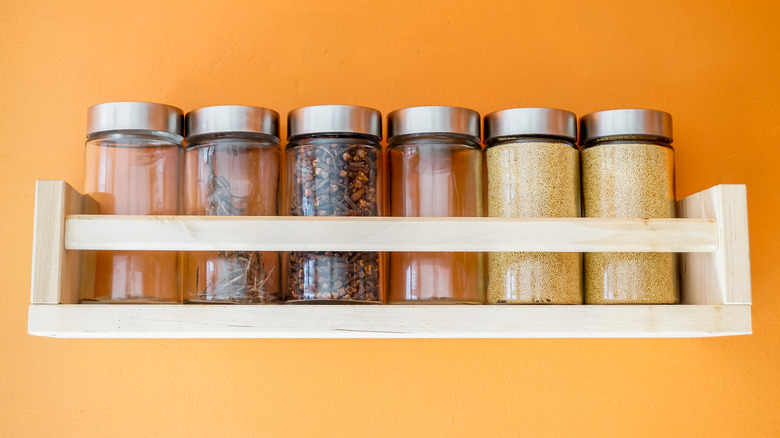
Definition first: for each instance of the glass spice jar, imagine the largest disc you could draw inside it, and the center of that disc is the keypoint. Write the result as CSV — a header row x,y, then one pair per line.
x,y
231,168
628,172
133,154
435,163
333,168
533,171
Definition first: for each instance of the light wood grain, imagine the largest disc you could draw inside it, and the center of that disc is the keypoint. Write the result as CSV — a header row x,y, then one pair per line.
x,y
56,273
203,233
355,321
721,277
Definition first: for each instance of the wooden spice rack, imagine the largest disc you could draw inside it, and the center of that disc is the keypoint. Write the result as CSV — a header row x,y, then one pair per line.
x,y
712,235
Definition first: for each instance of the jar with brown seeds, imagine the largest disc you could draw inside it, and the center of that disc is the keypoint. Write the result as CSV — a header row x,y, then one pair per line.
x,y
333,168
532,167
628,172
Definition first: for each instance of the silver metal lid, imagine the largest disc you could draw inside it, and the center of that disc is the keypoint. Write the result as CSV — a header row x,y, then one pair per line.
x,y
433,120
232,119
531,121
334,119
626,122
134,116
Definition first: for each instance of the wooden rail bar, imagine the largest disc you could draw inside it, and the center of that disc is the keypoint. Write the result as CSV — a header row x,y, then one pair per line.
x,y
204,233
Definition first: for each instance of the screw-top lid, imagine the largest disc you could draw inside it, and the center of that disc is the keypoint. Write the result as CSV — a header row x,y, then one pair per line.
x,y
433,120
626,122
134,116
548,122
334,119
232,119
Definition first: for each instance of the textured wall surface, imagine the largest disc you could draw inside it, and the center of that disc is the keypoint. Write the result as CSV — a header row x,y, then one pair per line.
x,y
712,64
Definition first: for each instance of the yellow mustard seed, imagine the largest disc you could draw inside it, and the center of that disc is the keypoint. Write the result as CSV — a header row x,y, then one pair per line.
x,y
629,180
538,179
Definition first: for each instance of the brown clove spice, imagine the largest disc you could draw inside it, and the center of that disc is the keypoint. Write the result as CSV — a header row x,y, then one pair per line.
x,y
334,180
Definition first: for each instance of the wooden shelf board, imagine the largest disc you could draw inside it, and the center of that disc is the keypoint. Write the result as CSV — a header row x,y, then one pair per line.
x,y
712,237
400,321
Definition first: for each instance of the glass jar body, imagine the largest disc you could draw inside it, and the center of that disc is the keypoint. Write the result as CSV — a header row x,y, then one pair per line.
x,y
231,175
533,178
334,176
135,174
436,176
629,178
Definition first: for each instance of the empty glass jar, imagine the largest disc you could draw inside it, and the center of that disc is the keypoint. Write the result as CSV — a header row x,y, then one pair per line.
x,y
435,163
232,164
333,168
533,171
628,172
132,167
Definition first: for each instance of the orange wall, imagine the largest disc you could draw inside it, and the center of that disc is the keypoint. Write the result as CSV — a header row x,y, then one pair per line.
x,y
712,64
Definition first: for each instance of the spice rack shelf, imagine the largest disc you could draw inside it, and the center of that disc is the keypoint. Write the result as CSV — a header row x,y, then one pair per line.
x,y
711,235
